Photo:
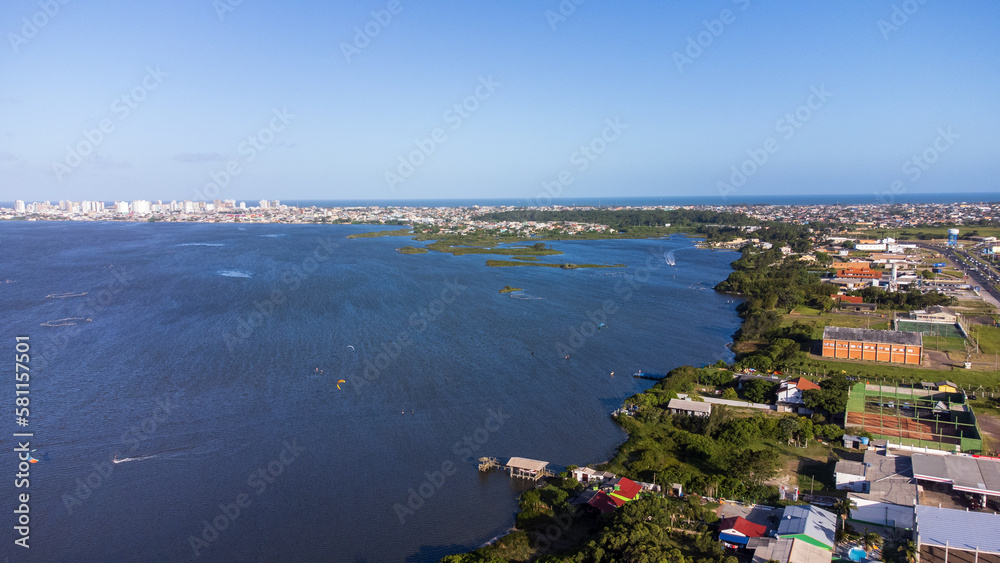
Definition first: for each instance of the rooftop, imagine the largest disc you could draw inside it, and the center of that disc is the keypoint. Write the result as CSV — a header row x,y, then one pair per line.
x,y
810,521
969,474
526,464
958,529
693,406
872,335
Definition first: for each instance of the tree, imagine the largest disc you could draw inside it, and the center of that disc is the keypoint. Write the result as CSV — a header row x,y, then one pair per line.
x,y
759,390
730,394
909,551
843,508
872,540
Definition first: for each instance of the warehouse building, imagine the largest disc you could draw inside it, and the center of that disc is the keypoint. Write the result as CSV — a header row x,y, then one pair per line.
x,y
870,344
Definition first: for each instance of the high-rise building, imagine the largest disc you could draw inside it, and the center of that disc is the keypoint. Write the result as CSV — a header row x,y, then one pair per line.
x,y
141,207
121,207
263,204
19,206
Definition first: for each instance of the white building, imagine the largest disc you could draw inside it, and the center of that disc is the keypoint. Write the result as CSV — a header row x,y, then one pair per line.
x,y
121,207
141,207
19,206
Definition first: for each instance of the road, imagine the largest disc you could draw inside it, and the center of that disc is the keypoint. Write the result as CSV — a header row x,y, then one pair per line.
x,y
989,292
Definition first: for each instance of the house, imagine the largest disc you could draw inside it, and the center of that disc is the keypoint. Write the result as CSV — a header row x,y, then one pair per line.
x,y
690,408
810,524
846,298
858,307
889,491
596,499
935,314
787,550
946,387
945,534
587,475
623,489
850,476
737,530
790,393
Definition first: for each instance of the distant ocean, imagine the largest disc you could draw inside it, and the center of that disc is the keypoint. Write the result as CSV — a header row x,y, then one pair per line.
x,y
734,199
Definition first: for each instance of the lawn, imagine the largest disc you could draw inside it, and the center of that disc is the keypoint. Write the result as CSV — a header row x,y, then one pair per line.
x,y
818,322
893,372
988,337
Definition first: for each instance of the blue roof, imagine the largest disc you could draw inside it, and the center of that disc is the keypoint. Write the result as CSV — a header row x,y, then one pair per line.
x,y
958,528
808,520
733,538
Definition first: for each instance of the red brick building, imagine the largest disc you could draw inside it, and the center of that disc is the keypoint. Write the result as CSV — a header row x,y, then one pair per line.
x,y
875,345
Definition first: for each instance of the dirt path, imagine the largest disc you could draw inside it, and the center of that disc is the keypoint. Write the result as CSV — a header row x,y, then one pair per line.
x,y
990,425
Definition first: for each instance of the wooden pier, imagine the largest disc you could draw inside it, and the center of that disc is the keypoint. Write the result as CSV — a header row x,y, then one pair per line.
x,y
518,467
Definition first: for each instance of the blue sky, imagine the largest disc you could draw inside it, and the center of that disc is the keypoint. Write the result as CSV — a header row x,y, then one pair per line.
x,y
265,89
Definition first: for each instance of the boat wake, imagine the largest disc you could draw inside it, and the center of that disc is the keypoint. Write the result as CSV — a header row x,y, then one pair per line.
x,y
128,459
235,273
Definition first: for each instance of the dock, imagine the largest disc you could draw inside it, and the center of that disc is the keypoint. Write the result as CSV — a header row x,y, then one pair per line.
x,y
518,467
654,376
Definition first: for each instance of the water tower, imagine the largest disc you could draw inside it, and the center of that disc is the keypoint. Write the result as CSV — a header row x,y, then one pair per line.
x,y
952,237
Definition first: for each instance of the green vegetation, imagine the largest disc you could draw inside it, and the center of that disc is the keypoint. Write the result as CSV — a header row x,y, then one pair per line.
x,y
506,263
509,289
871,371
411,250
467,247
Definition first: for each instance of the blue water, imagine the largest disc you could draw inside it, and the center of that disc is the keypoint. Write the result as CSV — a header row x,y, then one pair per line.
x,y
194,364
857,554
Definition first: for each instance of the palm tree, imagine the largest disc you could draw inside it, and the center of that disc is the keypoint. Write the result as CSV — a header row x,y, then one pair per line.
x,y
909,551
872,540
843,508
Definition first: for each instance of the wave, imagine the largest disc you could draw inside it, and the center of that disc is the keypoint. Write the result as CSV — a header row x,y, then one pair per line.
x,y
200,244
272,236
235,273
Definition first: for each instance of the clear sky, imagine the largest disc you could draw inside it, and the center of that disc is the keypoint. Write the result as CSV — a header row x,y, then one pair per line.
x,y
341,100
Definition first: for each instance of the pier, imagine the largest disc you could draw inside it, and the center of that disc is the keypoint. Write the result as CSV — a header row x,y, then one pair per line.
x,y
518,467
654,376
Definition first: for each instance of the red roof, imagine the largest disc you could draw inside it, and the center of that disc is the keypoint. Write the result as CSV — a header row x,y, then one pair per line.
x,y
627,488
847,298
743,526
802,383
604,502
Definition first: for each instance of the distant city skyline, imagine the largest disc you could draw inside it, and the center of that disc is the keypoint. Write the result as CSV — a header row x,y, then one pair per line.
x,y
391,100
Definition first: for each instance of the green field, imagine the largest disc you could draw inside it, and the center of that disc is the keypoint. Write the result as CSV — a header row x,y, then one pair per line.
x,y
819,322
966,378
988,338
